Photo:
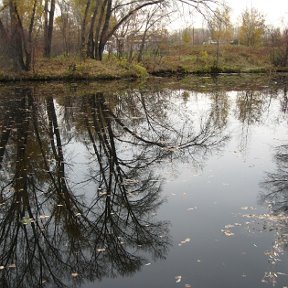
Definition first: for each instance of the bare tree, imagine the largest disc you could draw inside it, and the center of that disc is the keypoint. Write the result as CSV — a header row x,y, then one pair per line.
x,y
120,11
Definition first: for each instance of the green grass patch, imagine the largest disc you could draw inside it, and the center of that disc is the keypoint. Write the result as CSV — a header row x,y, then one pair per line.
x,y
61,68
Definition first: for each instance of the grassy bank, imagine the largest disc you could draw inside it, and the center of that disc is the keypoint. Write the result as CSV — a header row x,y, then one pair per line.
x,y
73,68
177,61
212,59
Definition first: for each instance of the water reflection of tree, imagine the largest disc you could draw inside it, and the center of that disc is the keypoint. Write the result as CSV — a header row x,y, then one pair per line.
x,y
284,100
250,107
220,108
276,183
275,196
52,236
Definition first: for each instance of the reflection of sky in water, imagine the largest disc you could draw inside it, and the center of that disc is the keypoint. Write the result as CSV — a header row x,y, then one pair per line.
x,y
203,201
213,244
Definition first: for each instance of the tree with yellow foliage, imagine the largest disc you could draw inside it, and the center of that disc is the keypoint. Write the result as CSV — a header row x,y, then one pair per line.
x,y
252,28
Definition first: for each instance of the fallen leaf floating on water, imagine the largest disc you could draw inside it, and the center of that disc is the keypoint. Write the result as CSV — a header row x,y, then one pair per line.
x,y
187,240
74,274
192,208
130,181
188,286
178,278
247,208
228,226
270,217
43,216
101,249
2,267
227,232
282,273
12,266
26,220
102,193
270,277
147,264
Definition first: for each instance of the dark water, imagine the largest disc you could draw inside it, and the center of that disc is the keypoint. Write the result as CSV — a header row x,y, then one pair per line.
x,y
179,183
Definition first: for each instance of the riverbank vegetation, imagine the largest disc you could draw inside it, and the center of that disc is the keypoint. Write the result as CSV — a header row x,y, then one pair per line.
x,y
179,61
84,39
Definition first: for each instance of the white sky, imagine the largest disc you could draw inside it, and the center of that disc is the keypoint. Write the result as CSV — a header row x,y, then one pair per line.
x,y
274,11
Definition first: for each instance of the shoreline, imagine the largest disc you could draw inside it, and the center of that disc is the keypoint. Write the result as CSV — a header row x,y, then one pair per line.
x,y
30,77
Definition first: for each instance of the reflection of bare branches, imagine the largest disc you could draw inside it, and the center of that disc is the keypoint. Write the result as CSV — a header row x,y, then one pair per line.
x,y
47,234
250,108
167,137
284,102
276,183
276,197
249,105
220,108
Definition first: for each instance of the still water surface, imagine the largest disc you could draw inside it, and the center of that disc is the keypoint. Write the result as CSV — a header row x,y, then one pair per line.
x,y
162,185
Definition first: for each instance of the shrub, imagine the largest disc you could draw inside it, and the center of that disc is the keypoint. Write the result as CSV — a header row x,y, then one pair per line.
x,y
139,70
278,58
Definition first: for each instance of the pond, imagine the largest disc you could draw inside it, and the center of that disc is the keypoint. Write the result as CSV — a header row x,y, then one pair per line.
x,y
169,183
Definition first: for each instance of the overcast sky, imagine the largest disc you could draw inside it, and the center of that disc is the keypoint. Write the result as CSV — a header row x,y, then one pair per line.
x,y
274,11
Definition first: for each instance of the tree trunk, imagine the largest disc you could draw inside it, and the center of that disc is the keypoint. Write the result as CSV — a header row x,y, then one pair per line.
x,y
99,30
286,48
16,39
48,27
142,45
4,41
91,41
64,30
3,33
107,33
83,30
29,49
105,30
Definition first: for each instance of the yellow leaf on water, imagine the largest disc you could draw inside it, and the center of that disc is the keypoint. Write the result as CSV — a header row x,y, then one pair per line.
x,y
178,278
227,232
